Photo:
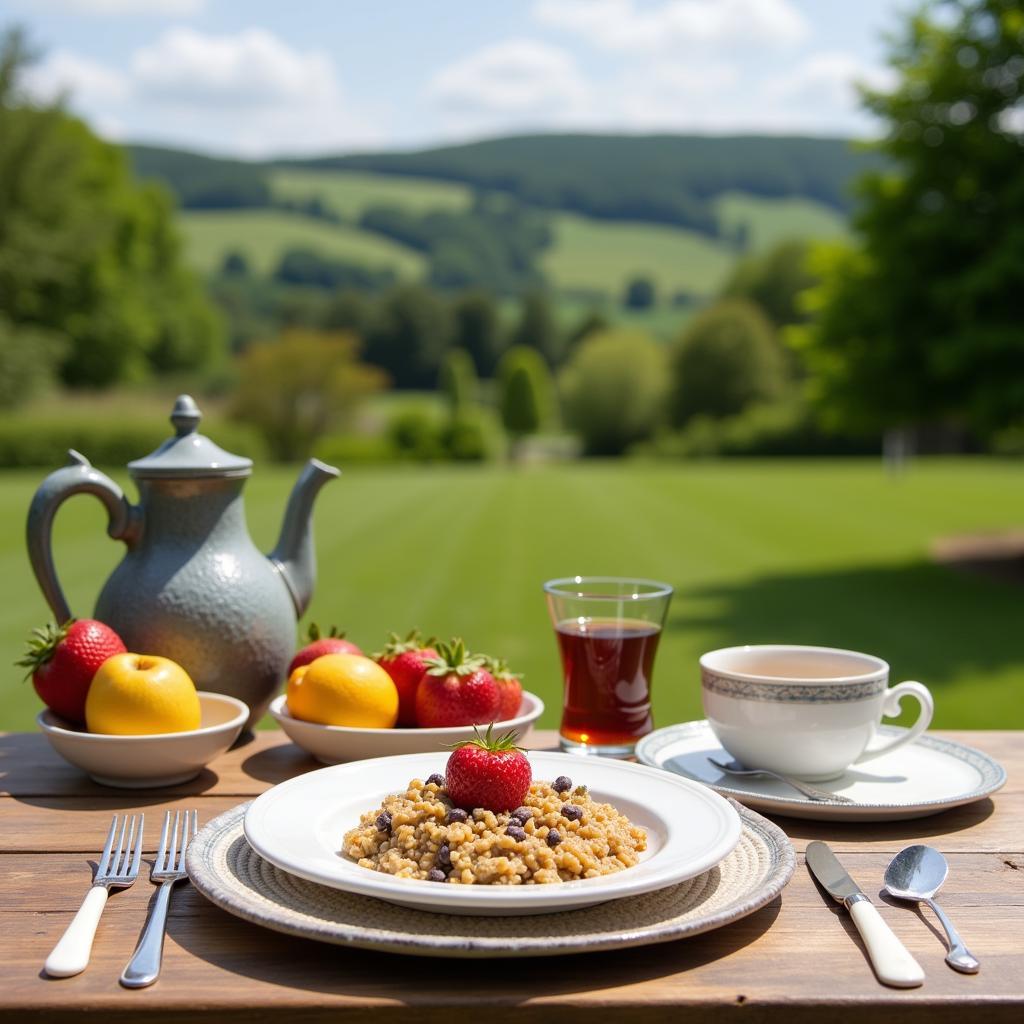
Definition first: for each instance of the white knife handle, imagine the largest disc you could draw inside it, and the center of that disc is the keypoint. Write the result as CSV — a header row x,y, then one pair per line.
x,y
892,962
71,954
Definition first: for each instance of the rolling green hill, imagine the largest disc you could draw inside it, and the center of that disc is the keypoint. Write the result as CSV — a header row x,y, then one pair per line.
x,y
263,235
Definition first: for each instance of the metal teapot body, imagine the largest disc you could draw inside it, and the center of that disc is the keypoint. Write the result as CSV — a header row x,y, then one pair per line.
x,y
192,586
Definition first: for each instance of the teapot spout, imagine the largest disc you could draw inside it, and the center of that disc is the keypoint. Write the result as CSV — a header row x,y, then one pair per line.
x,y
294,557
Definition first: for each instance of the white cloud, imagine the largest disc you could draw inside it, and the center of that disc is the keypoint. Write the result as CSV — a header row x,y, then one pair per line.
x,y
252,68
102,8
519,80
88,83
673,25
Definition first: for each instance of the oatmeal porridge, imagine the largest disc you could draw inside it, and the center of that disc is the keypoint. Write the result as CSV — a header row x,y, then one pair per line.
x,y
558,834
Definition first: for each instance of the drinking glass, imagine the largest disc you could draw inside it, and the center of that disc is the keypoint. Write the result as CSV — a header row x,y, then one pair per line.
x,y
607,629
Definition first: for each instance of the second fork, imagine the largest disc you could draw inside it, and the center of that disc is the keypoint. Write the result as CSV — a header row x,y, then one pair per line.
x,y
169,867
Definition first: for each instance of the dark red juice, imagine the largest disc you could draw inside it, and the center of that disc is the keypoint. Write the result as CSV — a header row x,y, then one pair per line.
x,y
607,666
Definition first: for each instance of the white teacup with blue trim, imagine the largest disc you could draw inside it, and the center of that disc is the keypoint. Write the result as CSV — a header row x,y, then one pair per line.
x,y
810,712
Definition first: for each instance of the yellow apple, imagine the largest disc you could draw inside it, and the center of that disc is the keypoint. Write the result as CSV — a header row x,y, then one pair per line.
x,y
140,695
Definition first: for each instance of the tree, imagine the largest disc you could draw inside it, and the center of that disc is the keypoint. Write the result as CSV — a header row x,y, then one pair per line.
x,y
640,294
347,311
408,335
592,322
727,359
458,381
775,280
294,389
476,329
921,321
234,264
87,253
525,392
613,390
537,328
28,361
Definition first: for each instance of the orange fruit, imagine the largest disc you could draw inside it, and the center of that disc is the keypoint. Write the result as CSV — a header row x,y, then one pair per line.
x,y
343,689
140,695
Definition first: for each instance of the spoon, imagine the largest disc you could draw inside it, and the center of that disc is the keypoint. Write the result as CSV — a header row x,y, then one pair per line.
x,y
916,874
811,792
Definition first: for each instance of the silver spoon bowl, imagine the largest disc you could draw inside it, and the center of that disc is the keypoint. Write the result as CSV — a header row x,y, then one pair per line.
x,y
916,874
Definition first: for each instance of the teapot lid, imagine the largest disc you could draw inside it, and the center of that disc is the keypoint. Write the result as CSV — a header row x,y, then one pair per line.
x,y
189,454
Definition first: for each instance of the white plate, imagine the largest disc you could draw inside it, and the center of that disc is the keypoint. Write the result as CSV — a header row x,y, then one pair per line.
x,y
922,778
333,744
299,826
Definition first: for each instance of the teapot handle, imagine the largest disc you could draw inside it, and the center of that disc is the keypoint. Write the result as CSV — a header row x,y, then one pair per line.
x,y
78,476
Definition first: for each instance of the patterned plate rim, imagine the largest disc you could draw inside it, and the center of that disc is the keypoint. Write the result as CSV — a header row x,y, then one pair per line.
x,y
993,774
205,877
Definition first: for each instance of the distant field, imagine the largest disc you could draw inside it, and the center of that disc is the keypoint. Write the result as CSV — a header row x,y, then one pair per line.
x,y
606,254
807,551
771,221
350,192
263,235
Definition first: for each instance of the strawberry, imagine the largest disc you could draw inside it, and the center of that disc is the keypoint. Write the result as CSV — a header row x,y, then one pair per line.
x,y
456,689
488,772
63,659
406,661
333,643
510,687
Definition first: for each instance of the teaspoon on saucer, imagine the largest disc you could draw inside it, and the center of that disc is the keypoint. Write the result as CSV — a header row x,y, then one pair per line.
x,y
916,874
811,792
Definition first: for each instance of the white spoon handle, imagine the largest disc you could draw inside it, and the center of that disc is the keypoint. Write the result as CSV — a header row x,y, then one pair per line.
x,y
889,957
71,954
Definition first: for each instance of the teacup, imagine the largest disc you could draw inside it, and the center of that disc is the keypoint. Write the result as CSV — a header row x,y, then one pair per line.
x,y
810,712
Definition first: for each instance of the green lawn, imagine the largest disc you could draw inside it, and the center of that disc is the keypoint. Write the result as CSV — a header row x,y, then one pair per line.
x,y
350,192
803,551
263,235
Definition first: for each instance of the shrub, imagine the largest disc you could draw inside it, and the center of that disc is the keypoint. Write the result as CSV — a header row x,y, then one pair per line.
x,y
458,380
613,390
294,390
36,440
525,392
415,434
345,449
464,438
774,280
639,294
727,359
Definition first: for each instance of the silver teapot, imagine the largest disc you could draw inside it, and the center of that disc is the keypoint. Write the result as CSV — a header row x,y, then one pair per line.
x,y
192,586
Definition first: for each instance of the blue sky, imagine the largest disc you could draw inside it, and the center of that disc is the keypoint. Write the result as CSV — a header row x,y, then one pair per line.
x,y
259,78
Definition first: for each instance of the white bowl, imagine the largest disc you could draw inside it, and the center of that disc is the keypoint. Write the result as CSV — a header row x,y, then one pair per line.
x,y
333,744
139,762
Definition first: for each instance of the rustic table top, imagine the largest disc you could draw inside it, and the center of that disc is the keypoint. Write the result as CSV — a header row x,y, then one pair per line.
x,y
799,957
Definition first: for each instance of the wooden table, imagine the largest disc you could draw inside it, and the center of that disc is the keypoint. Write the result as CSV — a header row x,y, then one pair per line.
x,y
797,959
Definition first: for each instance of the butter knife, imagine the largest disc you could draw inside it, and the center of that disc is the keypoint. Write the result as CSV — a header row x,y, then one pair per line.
x,y
889,957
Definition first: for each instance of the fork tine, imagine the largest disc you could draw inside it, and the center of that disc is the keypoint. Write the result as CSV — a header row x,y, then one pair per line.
x,y
116,857
186,836
161,858
170,866
105,859
122,867
137,857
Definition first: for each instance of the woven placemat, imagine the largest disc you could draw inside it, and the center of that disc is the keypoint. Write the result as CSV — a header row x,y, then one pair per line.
x,y
228,872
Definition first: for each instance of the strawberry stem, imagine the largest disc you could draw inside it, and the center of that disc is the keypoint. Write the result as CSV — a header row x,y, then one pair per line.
x,y
488,742
41,646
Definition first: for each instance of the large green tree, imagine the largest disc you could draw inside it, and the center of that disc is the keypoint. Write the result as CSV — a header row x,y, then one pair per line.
x,y
86,253
923,321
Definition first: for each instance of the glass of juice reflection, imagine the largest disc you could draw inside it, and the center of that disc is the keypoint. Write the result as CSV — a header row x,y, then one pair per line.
x,y
608,629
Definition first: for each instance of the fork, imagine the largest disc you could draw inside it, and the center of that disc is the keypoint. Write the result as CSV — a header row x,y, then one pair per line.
x,y
169,867
811,792
117,870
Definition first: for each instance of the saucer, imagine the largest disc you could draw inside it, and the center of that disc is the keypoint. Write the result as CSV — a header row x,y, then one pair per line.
x,y
922,778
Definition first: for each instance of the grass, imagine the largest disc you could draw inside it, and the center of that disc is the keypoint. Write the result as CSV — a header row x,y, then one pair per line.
x,y
350,192
263,235
771,221
830,552
606,255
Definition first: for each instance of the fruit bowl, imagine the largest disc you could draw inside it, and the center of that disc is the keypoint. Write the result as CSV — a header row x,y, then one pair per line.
x,y
163,759
333,744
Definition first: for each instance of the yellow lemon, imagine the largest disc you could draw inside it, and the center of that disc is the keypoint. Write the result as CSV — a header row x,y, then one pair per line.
x,y
140,695
343,689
